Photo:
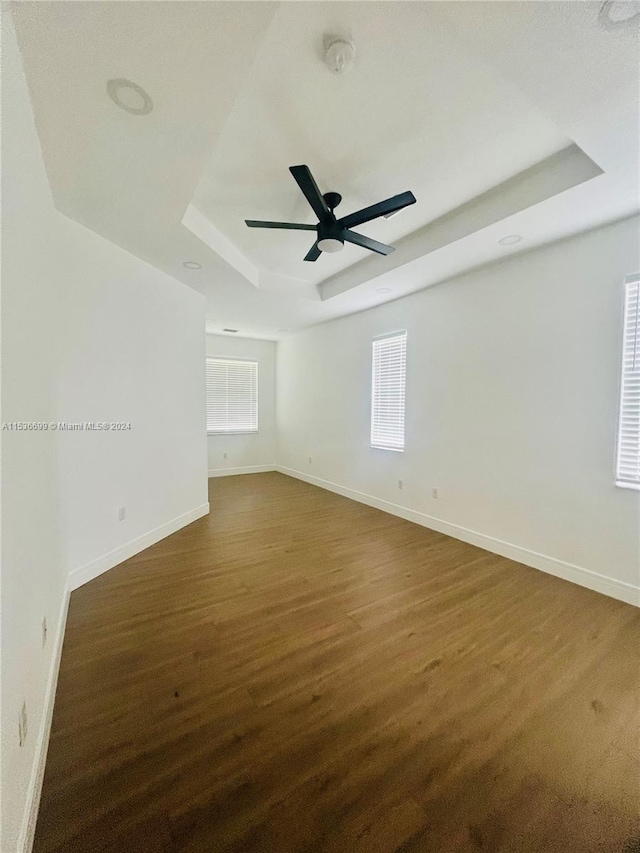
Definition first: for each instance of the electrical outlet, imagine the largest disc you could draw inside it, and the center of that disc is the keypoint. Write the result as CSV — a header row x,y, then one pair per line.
x,y
400,484
121,513
22,724
44,631
434,493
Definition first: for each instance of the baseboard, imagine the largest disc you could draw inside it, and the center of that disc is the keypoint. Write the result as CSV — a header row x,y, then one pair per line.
x,y
91,570
567,571
25,841
249,469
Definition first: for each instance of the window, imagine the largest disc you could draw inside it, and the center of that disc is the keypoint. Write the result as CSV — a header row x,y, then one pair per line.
x,y
232,395
388,376
628,456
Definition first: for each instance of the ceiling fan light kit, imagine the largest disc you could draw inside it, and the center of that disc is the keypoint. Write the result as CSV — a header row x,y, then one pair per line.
x,y
332,232
330,244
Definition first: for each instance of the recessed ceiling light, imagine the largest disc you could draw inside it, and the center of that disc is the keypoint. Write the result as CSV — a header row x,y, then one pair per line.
x,y
618,13
510,240
129,96
383,290
192,265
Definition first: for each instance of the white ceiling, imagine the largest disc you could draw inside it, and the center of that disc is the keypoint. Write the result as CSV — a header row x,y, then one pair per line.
x,y
369,135
518,117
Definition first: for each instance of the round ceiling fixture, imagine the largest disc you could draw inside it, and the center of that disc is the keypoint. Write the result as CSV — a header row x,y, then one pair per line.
x,y
614,14
129,96
510,240
192,265
383,290
339,55
330,244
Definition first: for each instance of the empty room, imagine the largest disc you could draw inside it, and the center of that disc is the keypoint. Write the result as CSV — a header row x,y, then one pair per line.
x,y
320,426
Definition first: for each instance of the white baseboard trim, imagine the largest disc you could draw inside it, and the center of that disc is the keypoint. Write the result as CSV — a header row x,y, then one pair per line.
x,y
567,571
27,834
249,469
91,570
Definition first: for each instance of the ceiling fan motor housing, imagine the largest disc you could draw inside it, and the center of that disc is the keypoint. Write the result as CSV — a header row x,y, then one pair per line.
x,y
330,231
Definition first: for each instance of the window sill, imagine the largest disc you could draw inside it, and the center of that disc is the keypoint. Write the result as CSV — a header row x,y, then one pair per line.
x,y
232,432
622,485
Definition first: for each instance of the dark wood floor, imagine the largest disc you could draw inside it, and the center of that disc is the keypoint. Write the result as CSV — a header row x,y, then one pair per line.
x,y
298,672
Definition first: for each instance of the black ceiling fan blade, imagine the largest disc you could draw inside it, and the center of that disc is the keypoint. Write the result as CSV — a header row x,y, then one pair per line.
x,y
367,243
292,226
382,208
313,254
305,181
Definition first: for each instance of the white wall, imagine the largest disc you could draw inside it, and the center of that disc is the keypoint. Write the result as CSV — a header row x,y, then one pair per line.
x,y
33,571
512,399
133,352
247,451
89,333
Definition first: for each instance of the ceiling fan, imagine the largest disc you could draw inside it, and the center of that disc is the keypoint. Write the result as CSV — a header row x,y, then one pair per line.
x,y
333,232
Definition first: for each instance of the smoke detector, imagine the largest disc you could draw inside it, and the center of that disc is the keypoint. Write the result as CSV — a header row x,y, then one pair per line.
x,y
615,14
339,54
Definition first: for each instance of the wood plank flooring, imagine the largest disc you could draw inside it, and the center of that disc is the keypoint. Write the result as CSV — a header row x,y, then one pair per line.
x,y
299,672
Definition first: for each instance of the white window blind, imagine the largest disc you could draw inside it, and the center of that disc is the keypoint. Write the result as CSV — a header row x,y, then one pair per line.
x,y
232,395
388,377
628,456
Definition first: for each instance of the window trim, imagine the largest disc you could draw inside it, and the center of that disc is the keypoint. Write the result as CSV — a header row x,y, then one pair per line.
x,y
629,280
400,333
242,361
